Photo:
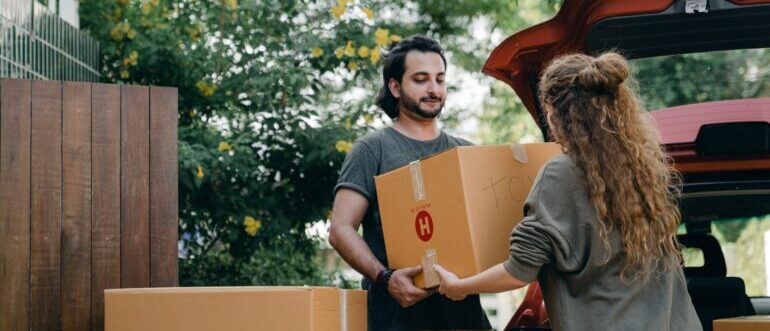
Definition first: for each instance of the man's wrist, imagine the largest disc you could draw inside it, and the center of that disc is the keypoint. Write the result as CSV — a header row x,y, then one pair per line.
x,y
383,277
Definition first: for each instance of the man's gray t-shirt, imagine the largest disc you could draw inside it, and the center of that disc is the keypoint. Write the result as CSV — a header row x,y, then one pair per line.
x,y
558,244
373,154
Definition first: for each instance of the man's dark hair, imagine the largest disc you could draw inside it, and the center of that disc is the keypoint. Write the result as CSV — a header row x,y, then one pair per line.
x,y
394,67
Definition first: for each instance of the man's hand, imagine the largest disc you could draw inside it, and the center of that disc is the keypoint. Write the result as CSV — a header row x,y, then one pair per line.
x,y
401,287
450,284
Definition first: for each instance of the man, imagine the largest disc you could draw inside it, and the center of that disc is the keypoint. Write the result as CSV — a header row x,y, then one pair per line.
x,y
413,94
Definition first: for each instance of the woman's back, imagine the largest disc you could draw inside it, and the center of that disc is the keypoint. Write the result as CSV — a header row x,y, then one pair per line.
x,y
581,283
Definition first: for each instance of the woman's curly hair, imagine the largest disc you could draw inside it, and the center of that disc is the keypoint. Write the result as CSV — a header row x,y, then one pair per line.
x,y
598,120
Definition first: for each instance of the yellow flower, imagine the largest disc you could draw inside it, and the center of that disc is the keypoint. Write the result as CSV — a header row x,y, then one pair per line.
x,y
116,34
368,119
124,27
381,36
131,59
338,11
363,51
200,172
339,52
352,66
224,146
117,14
251,225
124,74
316,52
342,3
131,34
369,13
343,146
395,38
194,32
232,4
147,8
349,49
205,88
374,56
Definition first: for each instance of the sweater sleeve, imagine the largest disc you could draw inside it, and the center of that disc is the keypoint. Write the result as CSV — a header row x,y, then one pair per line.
x,y
550,232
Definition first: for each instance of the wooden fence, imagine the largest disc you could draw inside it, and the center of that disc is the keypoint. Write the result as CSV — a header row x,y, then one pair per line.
x,y
88,198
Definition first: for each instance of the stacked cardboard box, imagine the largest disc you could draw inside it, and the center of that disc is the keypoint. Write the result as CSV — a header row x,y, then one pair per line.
x,y
235,308
743,323
457,208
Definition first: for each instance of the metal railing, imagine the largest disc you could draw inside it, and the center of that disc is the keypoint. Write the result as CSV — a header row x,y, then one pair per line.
x,y
35,43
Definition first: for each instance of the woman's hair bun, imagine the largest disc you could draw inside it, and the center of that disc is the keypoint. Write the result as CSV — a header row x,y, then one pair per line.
x,y
604,73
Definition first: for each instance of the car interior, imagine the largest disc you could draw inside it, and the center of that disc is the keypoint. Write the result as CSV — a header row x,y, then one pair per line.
x,y
714,294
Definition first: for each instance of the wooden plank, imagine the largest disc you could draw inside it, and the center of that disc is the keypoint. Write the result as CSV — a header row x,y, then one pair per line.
x,y
105,220
163,187
14,203
46,213
76,207
135,186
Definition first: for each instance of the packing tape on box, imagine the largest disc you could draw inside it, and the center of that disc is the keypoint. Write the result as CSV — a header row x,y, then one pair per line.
x,y
431,276
343,310
418,186
520,153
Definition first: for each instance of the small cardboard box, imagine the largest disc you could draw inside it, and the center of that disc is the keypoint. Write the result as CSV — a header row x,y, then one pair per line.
x,y
235,308
743,323
457,208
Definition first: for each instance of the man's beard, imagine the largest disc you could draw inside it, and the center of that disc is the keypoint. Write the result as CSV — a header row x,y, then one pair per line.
x,y
413,106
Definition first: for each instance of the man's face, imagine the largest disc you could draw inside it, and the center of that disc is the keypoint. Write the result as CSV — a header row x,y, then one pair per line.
x,y
422,91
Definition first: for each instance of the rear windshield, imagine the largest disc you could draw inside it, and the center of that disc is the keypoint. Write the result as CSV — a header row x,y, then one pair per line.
x,y
674,80
745,243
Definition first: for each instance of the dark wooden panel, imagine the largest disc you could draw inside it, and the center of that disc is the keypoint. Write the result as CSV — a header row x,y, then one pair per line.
x,y
105,220
14,204
76,207
46,212
163,187
135,186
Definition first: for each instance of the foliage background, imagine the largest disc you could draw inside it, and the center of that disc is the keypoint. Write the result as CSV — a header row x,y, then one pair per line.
x,y
271,96
272,93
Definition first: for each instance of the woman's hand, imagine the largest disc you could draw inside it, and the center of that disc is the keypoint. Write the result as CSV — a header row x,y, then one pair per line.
x,y
450,284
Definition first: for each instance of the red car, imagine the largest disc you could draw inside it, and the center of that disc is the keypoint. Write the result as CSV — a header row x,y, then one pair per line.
x,y
703,69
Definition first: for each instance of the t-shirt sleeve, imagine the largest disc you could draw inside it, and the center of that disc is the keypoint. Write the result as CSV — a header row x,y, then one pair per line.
x,y
540,239
358,171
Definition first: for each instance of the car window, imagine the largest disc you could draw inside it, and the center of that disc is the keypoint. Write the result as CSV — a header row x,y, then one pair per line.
x,y
674,80
745,243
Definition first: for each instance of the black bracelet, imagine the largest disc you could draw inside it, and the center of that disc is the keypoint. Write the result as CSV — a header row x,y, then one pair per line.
x,y
383,277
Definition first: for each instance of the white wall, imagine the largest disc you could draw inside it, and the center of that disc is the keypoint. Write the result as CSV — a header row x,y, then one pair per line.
x,y
68,11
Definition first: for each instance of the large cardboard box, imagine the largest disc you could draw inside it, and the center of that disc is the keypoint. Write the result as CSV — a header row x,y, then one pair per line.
x,y
457,208
744,323
235,309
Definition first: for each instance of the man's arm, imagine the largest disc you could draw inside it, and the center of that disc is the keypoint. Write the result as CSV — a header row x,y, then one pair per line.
x,y
347,214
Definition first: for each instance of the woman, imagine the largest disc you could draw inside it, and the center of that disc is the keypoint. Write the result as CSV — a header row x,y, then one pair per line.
x,y
600,222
